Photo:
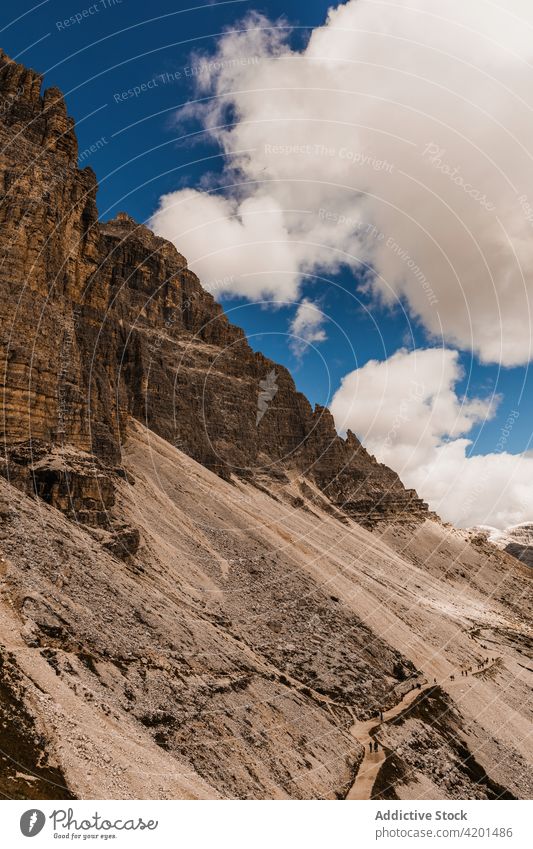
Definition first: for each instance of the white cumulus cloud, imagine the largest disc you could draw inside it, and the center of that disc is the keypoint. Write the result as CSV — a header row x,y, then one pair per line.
x,y
397,139
306,327
407,412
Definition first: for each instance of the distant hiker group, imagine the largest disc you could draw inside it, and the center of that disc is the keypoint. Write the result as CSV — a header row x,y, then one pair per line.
x,y
373,744
486,662
481,665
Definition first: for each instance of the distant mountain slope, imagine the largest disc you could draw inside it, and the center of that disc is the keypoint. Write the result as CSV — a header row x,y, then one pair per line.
x,y
516,540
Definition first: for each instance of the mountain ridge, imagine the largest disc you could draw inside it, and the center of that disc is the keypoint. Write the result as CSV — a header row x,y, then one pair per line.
x,y
159,347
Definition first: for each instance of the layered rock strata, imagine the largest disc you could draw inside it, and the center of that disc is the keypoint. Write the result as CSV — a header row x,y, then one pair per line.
x,y
104,322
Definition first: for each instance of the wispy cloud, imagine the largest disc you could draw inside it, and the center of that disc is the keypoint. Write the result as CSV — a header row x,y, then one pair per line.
x,y
306,327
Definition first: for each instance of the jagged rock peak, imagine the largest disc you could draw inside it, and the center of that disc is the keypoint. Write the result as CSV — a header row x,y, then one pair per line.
x,y
123,226
41,118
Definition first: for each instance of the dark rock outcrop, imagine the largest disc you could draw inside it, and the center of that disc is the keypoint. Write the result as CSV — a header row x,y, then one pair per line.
x,y
524,553
25,770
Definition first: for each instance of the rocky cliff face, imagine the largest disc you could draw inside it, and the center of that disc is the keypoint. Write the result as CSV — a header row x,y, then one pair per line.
x,y
104,322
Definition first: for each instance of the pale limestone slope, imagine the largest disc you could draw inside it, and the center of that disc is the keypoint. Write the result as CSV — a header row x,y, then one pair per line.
x,y
422,590
233,653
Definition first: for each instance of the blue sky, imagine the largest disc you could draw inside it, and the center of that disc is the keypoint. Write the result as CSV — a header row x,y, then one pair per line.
x,y
140,157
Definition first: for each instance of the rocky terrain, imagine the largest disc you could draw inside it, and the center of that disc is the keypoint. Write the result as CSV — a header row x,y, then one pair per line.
x,y
203,588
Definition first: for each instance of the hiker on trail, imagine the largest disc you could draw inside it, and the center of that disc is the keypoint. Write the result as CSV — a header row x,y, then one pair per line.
x,y
375,745
370,745
381,715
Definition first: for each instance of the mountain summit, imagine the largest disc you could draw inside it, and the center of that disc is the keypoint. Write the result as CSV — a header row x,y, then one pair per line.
x,y
104,322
